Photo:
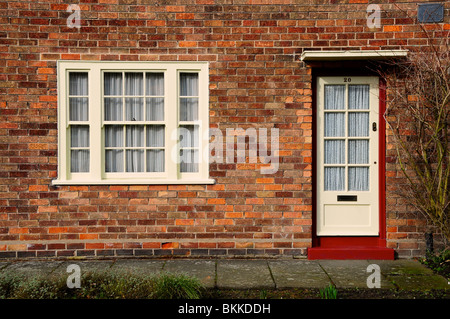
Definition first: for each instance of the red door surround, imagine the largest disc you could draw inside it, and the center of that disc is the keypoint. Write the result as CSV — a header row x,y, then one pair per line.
x,y
355,247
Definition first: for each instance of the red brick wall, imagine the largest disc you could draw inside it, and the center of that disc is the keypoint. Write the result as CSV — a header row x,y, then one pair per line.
x,y
256,80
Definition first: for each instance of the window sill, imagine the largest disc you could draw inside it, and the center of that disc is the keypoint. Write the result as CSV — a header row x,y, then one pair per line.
x,y
134,182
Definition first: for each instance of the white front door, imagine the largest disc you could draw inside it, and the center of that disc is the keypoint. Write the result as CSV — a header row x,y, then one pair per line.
x,y
347,156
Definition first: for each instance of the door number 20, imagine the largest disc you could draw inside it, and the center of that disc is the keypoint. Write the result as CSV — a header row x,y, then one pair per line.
x,y
347,80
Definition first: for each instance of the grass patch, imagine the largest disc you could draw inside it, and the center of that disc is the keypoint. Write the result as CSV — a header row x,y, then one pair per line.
x,y
102,285
330,292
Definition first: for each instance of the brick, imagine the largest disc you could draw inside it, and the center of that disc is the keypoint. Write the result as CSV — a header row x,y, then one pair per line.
x,y
175,8
392,28
57,230
38,188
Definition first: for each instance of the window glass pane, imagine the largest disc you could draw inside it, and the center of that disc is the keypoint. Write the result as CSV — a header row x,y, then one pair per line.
x,y
79,136
135,136
134,109
113,136
358,97
334,179
154,109
358,151
155,136
135,160
358,178
189,161
188,84
188,109
113,109
334,125
189,136
114,161
78,109
334,97
78,83
358,124
134,83
334,152
155,160
113,83
155,84
79,161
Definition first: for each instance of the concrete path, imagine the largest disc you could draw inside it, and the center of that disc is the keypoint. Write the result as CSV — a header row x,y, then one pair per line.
x,y
257,273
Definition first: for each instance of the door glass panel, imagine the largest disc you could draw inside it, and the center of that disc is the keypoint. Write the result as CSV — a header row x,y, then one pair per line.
x,y
358,124
334,178
358,97
334,124
358,151
334,97
334,152
358,178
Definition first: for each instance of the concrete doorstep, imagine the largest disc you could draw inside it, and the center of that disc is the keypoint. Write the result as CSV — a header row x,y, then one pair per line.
x,y
259,273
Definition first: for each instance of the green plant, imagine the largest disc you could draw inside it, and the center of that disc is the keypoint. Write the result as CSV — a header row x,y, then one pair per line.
x,y
329,292
439,262
263,294
9,282
171,286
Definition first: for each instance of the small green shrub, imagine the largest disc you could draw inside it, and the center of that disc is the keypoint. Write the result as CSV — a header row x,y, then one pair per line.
x,y
329,292
171,286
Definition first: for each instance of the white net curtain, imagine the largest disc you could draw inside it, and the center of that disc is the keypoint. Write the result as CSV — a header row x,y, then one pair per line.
x,y
345,145
79,113
134,97
189,91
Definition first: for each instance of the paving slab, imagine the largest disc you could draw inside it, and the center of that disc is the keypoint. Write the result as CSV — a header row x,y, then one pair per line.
x,y
411,275
144,267
32,268
352,273
298,274
402,267
420,282
97,266
242,274
204,270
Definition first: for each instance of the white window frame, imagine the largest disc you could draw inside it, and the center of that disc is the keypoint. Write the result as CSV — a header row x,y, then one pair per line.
x,y
97,174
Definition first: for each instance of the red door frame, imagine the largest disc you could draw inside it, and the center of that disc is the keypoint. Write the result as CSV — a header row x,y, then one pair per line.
x,y
351,247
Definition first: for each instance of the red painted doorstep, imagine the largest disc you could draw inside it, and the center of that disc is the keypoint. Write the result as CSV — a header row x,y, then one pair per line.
x,y
349,253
